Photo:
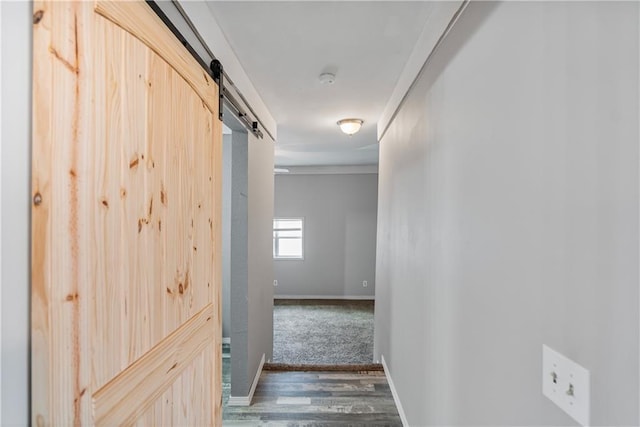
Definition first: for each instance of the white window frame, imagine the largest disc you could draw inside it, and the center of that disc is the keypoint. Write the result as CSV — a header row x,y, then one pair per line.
x,y
288,258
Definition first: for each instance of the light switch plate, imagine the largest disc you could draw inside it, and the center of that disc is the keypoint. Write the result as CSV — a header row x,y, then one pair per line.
x,y
566,384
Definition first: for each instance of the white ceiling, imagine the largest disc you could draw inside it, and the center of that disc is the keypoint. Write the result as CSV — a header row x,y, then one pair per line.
x,y
285,46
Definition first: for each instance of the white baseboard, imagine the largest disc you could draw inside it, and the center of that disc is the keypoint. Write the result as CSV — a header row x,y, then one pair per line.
x,y
238,401
246,400
394,392
226,340
344,297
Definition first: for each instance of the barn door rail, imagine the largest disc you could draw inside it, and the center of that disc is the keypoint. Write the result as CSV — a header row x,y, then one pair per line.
x,y
229,93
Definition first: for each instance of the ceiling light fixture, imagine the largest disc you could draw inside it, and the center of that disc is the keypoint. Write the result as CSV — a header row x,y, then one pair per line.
x,y
350,126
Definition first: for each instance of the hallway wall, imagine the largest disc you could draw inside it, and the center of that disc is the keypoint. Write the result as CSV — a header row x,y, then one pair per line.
x,y
339,212
260,227
508,217
16,51
251,269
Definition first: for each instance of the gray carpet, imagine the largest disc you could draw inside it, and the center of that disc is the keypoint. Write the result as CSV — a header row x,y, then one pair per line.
x,y
322,332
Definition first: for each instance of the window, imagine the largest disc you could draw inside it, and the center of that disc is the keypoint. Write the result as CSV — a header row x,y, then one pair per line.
x,y
287,238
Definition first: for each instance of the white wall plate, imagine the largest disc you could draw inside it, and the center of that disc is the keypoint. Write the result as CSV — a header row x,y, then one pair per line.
x,y
566,384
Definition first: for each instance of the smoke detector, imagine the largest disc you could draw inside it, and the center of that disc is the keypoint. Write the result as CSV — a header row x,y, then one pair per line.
x,y
327,78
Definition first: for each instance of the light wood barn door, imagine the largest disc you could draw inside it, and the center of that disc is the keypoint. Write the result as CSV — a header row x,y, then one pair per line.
x,y
126,235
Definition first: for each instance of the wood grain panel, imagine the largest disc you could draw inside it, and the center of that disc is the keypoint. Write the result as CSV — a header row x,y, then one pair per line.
x,y
40,214
152,416
128,317
191,395
135,19
138,312
126,221
127,396
106,162
61,124
145,192
213,164
159,107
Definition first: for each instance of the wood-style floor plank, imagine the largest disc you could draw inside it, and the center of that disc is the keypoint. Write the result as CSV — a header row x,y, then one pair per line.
x,y
316,399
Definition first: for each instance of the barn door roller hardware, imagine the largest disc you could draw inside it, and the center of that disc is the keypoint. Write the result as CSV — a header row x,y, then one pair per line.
x,y
229,93
233,104
218,76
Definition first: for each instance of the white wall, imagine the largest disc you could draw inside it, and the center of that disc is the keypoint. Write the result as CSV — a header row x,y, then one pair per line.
x,y
508,217
251,273
16,160
260,226
436,24
339,212
0,219
239,270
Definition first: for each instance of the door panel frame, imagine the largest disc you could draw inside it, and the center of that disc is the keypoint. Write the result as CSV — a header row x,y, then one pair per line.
x,y
61,311
150,375
134,18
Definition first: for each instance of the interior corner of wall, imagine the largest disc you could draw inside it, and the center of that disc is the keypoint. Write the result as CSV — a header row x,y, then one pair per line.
x,y
438,23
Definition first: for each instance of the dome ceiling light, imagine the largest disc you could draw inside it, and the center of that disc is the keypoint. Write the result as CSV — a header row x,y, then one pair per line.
x,y
350,126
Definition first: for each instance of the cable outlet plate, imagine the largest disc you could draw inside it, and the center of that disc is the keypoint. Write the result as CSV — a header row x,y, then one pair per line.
x,y
566,384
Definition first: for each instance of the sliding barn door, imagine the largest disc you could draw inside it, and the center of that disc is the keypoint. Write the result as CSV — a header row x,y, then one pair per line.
x,y
126,221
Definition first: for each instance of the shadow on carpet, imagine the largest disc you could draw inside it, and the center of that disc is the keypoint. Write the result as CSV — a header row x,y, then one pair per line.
x,y
322,332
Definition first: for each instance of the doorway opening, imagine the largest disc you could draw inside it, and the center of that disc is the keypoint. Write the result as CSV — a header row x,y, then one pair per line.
x,y
324,248
234,258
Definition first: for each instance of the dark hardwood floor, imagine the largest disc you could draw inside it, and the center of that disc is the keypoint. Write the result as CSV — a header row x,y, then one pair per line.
x,y
318,399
